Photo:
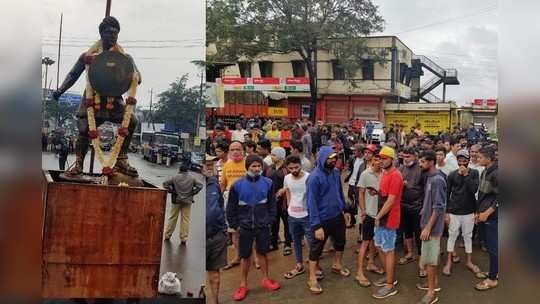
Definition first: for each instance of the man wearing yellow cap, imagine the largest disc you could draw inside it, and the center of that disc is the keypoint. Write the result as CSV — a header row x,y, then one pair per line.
x,y
387,221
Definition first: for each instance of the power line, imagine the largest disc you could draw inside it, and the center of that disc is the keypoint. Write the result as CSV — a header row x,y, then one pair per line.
x,y
478,12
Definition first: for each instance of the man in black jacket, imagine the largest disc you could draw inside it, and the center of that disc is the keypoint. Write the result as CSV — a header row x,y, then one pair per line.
x,y
411,203
487,214
462,186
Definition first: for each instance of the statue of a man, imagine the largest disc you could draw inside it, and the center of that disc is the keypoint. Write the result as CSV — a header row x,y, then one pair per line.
x,y
108,30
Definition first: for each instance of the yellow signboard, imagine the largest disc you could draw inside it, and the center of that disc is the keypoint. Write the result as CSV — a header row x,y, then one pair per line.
x,y
430,122
433,123
407,120
278,111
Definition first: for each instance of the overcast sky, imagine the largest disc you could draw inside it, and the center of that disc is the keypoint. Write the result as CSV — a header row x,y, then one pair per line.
x,y
162,36
459,34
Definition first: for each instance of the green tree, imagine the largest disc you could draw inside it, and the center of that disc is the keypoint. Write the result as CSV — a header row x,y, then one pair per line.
x,y
180,105
60,111
250,27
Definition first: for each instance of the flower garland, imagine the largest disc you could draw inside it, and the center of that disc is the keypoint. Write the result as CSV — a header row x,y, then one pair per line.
x,y
92,102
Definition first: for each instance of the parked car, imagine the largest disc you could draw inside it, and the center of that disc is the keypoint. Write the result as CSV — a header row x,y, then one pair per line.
x,y
377,131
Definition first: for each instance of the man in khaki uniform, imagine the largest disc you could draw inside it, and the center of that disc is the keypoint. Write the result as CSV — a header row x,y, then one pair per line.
x,y
184,187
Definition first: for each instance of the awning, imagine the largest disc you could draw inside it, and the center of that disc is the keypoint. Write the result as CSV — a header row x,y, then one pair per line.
x,y
274,95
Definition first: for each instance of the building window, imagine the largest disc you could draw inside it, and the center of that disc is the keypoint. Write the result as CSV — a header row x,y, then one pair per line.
x,y
299,68
245,69
265,67
368,68
212,72
338,70
402,71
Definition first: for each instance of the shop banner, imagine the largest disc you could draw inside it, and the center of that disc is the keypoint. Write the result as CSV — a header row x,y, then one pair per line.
x,y
289,84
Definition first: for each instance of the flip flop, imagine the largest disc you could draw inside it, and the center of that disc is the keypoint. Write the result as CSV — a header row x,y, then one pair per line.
x,y
292,273
406,260
482,275
231,265
315,289
446,271
456,259
363,283
483,286
477,273
344,272
379,271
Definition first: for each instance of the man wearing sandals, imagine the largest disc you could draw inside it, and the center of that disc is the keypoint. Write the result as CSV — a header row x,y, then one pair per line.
x,y
387,221
462,188
369,182
326,202
413,195
251,210
432,224
488,215
295,187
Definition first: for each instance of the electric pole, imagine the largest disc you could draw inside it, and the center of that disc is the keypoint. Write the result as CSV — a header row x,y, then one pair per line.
x,y
151,116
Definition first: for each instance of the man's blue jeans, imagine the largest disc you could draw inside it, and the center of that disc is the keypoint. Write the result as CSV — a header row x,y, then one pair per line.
x,y
491,231
298,228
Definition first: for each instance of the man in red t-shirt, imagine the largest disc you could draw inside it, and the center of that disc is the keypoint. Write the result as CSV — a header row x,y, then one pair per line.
x,y
387,221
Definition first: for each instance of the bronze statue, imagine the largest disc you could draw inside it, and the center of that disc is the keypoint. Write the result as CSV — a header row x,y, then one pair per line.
x,y
110,89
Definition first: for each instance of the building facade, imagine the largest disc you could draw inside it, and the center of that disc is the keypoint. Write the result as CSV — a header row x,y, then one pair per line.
x,y
394,79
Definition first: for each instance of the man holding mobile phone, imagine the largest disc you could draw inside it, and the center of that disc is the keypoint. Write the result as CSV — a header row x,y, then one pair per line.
x,y
367,206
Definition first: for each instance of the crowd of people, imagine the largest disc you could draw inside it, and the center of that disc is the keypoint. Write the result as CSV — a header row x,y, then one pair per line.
x,y
315,180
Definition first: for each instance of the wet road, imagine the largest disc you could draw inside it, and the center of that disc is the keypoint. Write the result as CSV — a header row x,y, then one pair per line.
x,y
458,288
186,260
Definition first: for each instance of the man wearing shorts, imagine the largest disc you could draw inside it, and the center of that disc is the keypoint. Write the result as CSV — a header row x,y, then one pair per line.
x,y
216,237
368,198
387,221
232,170
326,202
432,224
251,210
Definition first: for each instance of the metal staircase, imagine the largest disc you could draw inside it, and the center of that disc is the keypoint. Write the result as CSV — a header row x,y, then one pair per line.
x,y
444,76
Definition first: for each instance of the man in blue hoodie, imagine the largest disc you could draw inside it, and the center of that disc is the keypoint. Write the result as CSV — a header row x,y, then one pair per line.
x,y
251,210
216,236
325,202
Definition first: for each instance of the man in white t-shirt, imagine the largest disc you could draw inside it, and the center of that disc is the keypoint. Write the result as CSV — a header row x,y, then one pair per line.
x,y
474,164
367,209
441,164
295,187
450,158
239,133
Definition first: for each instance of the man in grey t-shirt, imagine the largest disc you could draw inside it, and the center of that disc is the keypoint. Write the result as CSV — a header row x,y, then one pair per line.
x,y
432,223
368,207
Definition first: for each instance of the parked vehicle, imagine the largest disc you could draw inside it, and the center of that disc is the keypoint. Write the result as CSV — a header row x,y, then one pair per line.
x,y
377,131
